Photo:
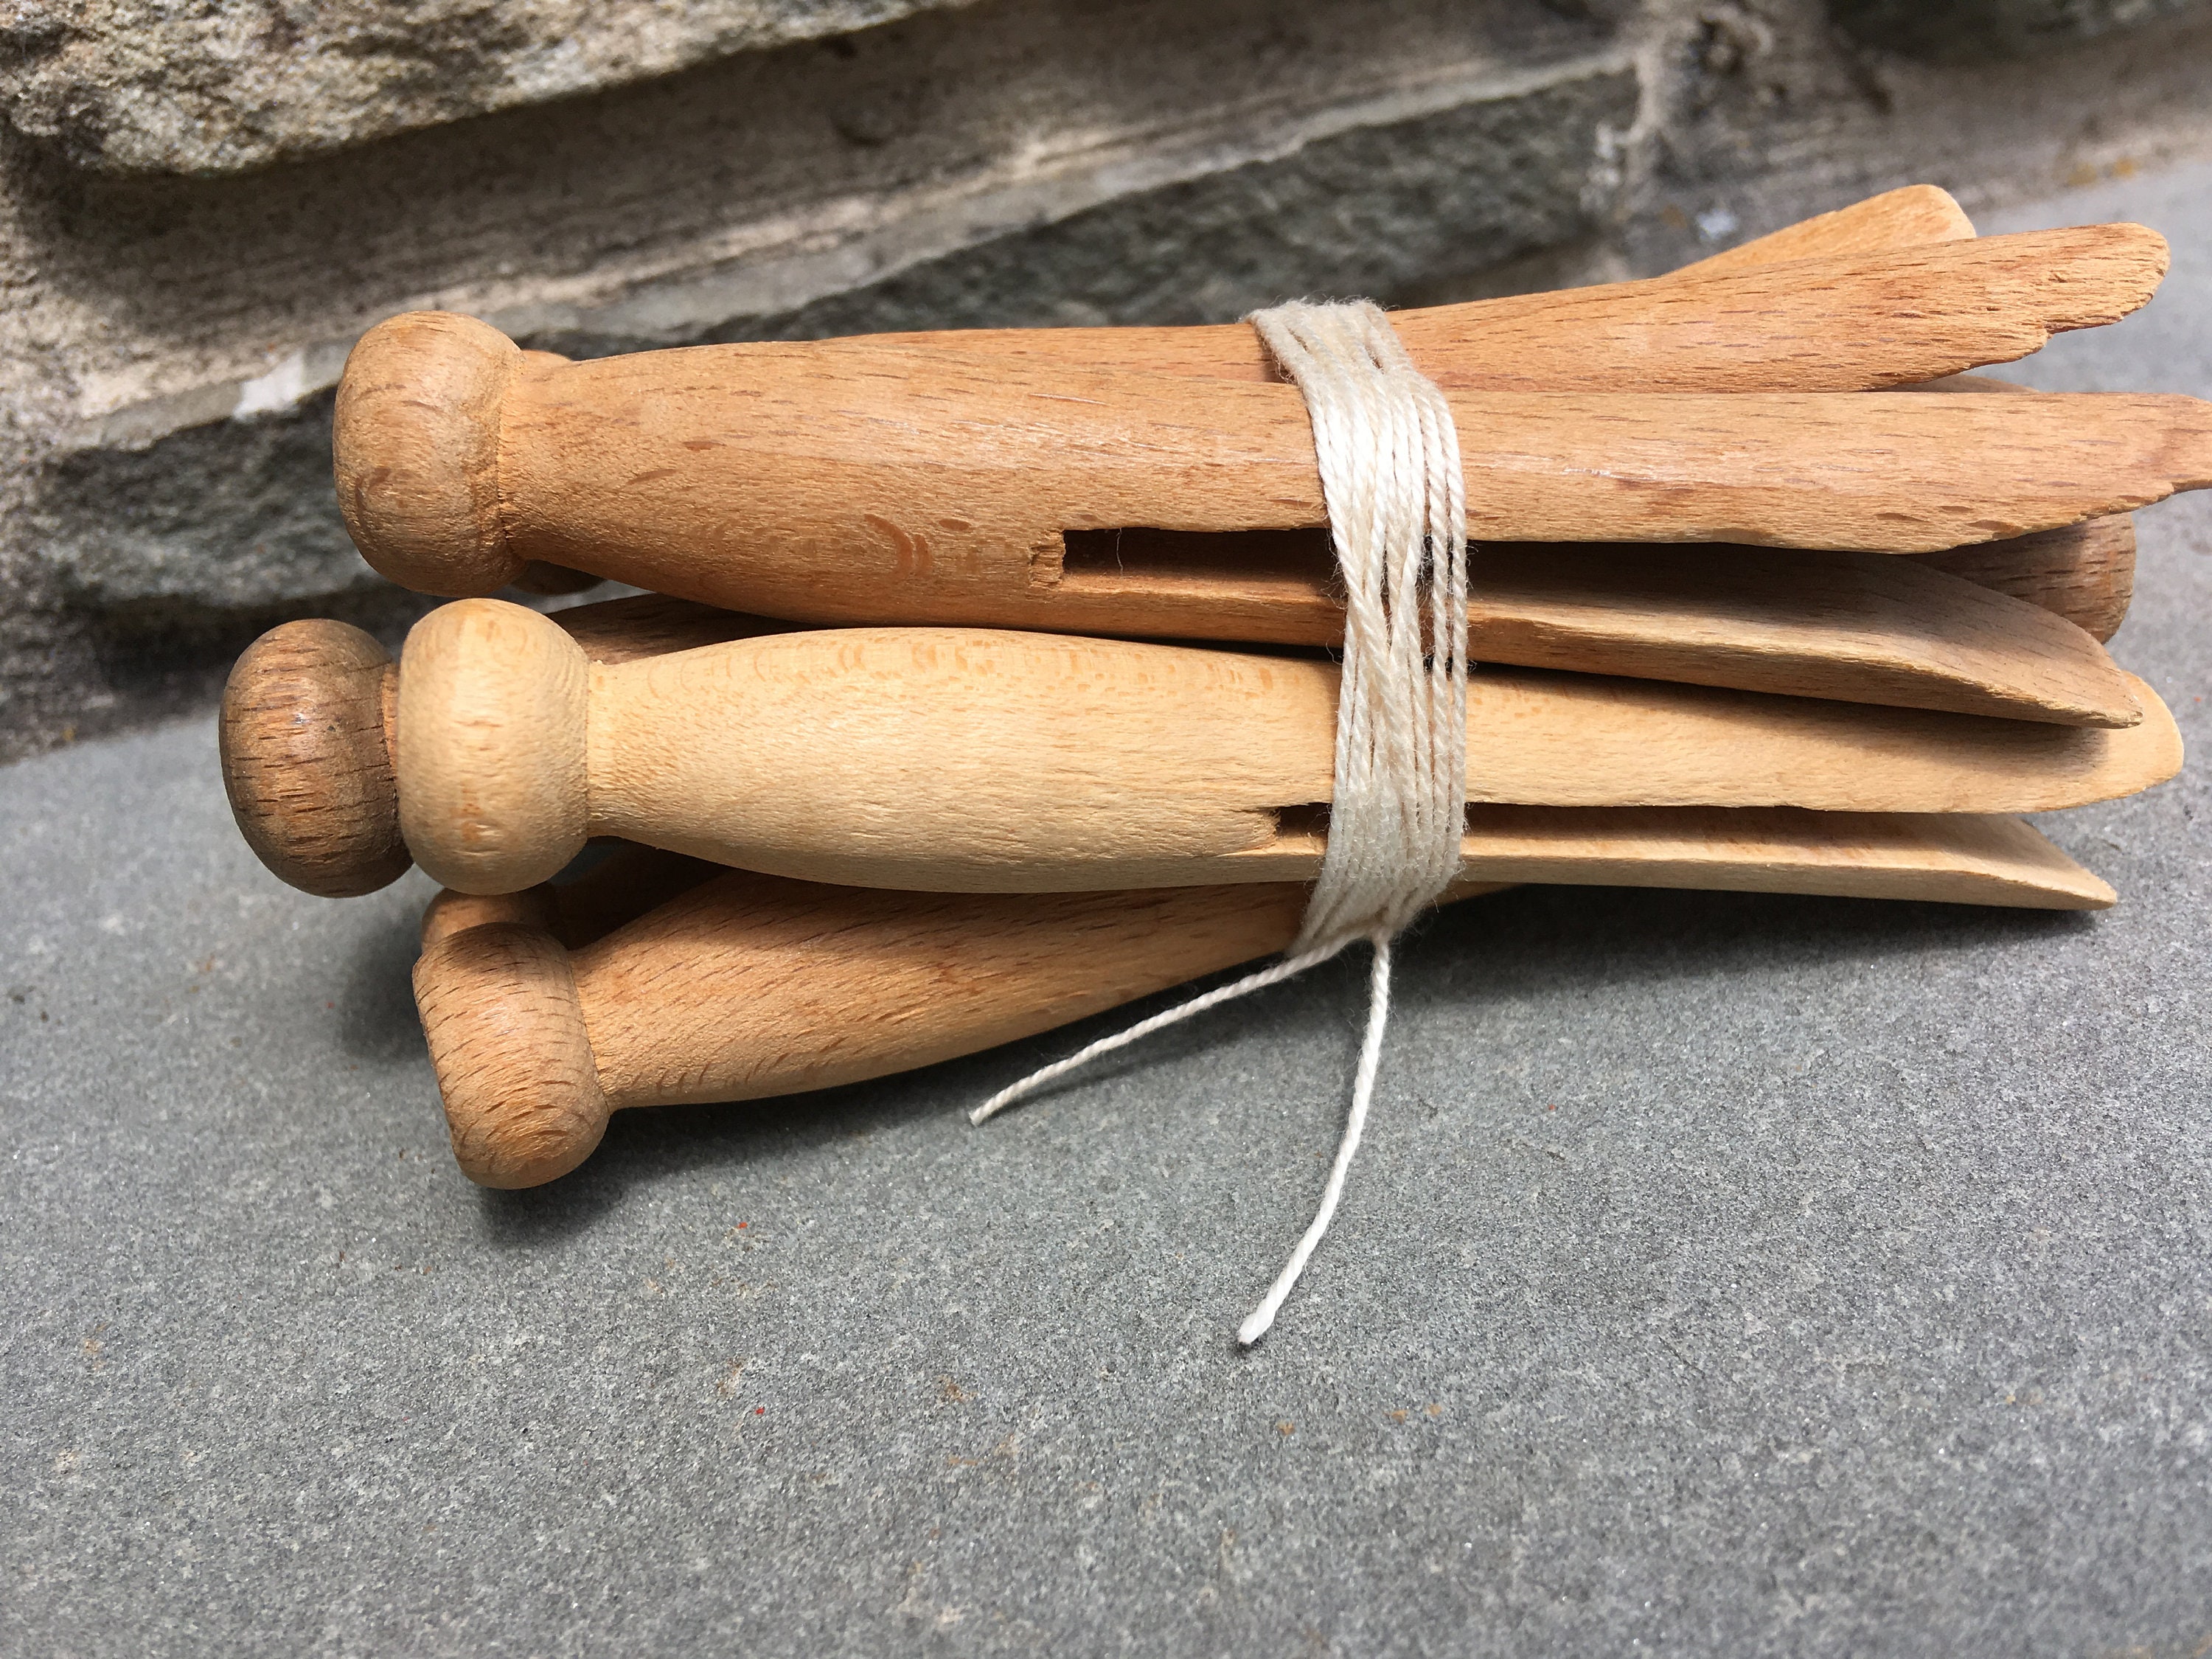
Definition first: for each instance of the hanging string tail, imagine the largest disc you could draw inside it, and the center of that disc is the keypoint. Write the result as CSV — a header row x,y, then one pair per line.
x,y
1392,483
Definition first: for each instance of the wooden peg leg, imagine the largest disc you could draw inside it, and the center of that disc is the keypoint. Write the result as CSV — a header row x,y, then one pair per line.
x,y
950,759
751,986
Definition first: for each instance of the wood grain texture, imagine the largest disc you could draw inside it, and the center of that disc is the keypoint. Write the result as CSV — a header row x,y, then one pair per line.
x,y
751,986
959,759
2085,572
1952,858
490,746
865,487
1835,625
2081,571
1856,321
748,985
1797,326
513,1057
1848,627
1916,215
306,757
1852,627
415,449
1848,243
1910,217
450,912
966,759
1858,627
309,727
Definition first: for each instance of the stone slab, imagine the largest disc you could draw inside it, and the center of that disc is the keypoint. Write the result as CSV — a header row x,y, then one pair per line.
x,y
186,87
1722,1274
1963,30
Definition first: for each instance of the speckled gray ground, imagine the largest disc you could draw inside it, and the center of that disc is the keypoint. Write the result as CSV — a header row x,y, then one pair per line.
x,y
1723,1274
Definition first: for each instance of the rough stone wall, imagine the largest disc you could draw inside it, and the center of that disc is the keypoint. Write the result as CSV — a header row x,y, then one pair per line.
x,y
202,205
183,85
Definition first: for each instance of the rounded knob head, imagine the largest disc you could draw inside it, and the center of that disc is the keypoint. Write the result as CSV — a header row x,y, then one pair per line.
x,y
306,757
414,450
506,1028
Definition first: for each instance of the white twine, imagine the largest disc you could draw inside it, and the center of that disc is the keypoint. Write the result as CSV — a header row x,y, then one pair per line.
x,y
1397,513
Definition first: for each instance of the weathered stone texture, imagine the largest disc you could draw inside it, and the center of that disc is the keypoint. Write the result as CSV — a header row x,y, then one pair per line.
x,y
1961,31
232,516
187,85
1378,210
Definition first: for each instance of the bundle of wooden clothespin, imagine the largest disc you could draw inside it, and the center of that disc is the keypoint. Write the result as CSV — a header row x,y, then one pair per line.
x,y
1767,594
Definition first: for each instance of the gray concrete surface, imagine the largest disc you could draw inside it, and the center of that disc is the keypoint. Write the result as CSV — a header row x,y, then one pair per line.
x,y
1722,1274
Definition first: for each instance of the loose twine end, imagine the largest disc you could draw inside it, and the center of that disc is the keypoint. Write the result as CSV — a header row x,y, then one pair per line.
x,y
1261,1319
1392,481
1274,974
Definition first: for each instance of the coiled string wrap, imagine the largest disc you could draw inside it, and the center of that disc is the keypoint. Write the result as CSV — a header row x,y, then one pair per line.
x,y
1392,483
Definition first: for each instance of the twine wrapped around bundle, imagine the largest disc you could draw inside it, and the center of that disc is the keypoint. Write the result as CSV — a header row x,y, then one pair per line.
x,y
1391,477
